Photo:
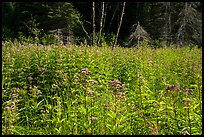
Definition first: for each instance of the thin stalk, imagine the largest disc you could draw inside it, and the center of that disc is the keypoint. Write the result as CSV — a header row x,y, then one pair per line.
x,y
166,115
94,115
99,130
86,113
115,113
131,124
175,112
104,123
94,35
157,120
91,117
189,119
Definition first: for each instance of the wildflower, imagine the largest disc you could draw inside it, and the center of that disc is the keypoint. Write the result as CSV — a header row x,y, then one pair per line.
x,y
92,81
185,133
188,90
187,102
85,71
90,92
7,102
121,95
150,62
75,78
116,84
93,118
14,95
17,89
132,102
7,108
106,105
42,70
155,131
47,111
175,87
30,78
84,84
13,104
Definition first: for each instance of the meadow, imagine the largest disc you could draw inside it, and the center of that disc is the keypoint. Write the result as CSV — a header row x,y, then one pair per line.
x,y
82,90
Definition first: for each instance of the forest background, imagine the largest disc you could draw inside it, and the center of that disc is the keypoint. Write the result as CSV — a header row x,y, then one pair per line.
x,y
124,23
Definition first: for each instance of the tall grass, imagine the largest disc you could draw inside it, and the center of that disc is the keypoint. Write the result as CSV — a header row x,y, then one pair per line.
x,y
95,90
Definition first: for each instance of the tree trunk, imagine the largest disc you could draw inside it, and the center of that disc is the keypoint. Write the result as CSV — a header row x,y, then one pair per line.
x,y
101,22
181,31
169,19
93,39
105,13
121,19
113,17
167,33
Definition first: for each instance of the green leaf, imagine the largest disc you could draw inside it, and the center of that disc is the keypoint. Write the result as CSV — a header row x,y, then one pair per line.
x,y
112,115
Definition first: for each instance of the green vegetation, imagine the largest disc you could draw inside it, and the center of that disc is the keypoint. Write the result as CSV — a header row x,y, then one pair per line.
x,y
95,90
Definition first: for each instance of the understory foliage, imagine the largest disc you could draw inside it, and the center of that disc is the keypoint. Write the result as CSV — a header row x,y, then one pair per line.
x,y
95,90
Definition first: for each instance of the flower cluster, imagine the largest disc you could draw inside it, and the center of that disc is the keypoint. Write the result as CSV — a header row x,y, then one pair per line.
x,y
154,131
121,96
106,106
11,112
116,84
30,78
90,93
93,118
175,87
85,71
42,70
185,133
187,102
35,90
188,90
92,81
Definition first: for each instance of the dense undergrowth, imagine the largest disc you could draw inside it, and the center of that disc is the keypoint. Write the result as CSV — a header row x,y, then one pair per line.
x,y
95,90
